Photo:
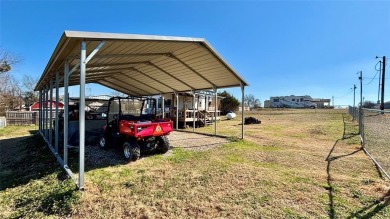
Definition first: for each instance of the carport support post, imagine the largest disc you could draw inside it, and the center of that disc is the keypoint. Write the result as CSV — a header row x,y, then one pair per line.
x,y
193,111
177,110
47,114
162,106
44,113
242,110
51,114
40,111
82,114
216,107
56,127
66,111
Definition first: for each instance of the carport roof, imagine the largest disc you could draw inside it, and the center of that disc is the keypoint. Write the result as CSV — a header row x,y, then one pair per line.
x,y
142,65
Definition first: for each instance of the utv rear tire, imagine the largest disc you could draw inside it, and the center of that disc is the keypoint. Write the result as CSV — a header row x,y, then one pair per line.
x,y
103,143
131,150
163,144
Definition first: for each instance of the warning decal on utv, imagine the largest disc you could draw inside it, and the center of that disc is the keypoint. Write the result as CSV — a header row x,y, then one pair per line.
x,y
158,130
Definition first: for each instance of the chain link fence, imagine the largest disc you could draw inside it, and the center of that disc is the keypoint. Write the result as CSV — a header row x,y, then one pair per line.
x,y
374,129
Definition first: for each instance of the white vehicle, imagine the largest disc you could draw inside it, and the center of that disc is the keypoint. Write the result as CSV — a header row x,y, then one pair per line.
x,y
292,102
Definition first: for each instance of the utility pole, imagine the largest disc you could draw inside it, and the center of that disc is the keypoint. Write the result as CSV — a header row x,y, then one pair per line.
x,y
383,84
379,86
361,88
354,110
361,103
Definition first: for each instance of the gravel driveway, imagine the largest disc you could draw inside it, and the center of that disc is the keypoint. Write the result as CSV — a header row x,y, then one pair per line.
x,y
193,141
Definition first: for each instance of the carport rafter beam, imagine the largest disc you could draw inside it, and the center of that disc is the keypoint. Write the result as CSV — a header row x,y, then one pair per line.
x,y
107,70
122,89
172,76
193,70
144,74
133,86
114,64
97,75
73,69
93,53
124,74
90,56
124,55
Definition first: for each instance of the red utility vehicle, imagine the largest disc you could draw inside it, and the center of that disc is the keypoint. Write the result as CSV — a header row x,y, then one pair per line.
x,y
133,126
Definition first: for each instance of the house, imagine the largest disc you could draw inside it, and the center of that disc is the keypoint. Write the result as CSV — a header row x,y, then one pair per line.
x,y
202,110
35,106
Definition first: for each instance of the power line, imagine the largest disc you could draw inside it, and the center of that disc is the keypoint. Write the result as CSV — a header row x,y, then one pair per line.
x,y
372,78
346,94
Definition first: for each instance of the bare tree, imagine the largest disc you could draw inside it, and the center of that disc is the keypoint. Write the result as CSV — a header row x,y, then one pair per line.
x,y
251,101
29,95
10,92
7,60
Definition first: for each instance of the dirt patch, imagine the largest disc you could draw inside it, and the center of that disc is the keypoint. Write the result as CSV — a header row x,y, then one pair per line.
x,y
194,141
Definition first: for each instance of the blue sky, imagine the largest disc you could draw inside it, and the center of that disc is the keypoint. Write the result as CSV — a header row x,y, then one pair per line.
x,y
279,47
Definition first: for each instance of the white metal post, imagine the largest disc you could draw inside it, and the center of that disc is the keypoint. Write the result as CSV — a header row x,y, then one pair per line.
x,y
57,99
66,111
51,114
39,111
242,110
193,111
163,106
177,110
44,113
216,107
82,113
47,113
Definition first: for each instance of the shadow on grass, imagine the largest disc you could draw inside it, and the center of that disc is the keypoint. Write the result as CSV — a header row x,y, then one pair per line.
x,y
36,185
377,206
24,159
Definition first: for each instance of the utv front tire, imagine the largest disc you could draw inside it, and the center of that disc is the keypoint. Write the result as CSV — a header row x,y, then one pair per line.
x,y
131,151
103,143
163,144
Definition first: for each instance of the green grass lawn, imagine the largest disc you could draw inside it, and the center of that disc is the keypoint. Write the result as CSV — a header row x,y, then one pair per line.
x,y
281,170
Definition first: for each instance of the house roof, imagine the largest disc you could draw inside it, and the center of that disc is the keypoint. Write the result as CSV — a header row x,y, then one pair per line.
x,y
142,65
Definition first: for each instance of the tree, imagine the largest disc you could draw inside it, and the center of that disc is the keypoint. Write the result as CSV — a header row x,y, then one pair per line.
x,y
29,95
229,103
251,101
7,60
10,92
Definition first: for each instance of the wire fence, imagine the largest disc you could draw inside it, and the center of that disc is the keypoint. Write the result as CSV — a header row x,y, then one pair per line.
x,y
374,129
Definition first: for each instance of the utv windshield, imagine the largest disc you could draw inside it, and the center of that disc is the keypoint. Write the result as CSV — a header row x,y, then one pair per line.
x,y
137,107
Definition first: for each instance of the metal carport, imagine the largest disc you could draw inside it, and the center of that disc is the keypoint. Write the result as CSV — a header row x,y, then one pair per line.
x,y
137,65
